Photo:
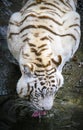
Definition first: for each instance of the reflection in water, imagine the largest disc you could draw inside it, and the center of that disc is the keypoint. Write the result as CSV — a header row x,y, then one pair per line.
x,y
67,113
62,118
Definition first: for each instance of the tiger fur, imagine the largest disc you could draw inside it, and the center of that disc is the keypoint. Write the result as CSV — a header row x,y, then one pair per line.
x,y
42,37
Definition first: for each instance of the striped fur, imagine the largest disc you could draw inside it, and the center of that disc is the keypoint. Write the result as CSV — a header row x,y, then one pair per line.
x,y
43,36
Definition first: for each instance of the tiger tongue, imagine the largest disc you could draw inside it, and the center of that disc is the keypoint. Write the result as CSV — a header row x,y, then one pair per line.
x,y
39,113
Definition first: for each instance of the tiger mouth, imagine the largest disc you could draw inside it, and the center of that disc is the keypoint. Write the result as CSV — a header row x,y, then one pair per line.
x,y
39,113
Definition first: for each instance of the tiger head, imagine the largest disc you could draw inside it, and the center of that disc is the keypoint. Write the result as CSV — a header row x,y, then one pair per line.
x,y
40,87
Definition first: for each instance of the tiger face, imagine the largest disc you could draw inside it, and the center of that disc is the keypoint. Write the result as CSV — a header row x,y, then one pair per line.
x,y
40,88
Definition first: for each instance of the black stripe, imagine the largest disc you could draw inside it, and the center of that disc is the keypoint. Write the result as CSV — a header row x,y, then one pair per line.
x,y
42,83
42,46
64,35
42,65
32,4
41,17
76,18
23,35
50,37
31,90
27,27
44,7
49,18
39,71
28,86
44,49
20,91
42,27
31,26
35,51
15,23
32,45
52,12
66,7
56,2
25,56
77,31
39,90
29,15
69,5
35,85
26,39
57,62
21,22
38,1
37,95
10,34
51,77
66,4
46,28
74,25
44,38
56,7
53,81
38,65
39,59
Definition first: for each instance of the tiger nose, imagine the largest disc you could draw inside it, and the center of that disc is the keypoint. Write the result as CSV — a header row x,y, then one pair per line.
x,y
47,107
47,103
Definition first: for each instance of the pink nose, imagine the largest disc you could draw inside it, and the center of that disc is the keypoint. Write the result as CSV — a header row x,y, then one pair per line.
x,y
47,103
47,107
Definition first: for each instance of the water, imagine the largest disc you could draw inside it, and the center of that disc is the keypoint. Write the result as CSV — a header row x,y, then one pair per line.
x,y
67,112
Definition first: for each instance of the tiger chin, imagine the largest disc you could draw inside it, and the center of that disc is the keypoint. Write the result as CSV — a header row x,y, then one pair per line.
x,y
43,36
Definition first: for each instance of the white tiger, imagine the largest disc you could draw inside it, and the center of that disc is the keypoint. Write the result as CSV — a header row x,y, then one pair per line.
x,y
42,37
